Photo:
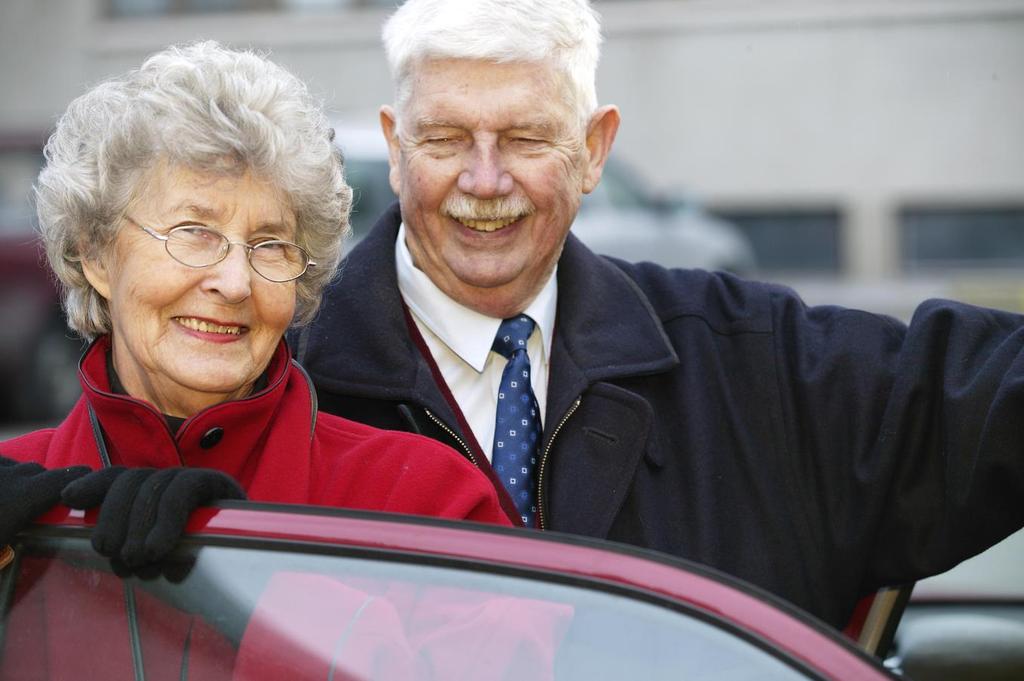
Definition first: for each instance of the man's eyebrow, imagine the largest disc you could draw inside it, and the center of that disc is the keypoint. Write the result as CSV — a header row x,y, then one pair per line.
x,y
540,126
543,127
434,122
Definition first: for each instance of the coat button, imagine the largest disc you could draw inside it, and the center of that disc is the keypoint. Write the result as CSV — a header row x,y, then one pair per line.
x,y
211,437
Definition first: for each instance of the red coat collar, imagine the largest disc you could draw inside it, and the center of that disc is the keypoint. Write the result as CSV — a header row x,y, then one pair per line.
x,y
223,436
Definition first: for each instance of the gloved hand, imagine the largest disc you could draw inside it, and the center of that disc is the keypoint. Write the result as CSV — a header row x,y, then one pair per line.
x,y
143,511
27,491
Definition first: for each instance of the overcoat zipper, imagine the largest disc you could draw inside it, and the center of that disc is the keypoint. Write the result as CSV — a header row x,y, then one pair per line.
x,y
451,433
541,520
543,459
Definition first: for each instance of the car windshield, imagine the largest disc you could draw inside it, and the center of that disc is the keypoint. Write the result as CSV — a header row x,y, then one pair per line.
x,y
261,608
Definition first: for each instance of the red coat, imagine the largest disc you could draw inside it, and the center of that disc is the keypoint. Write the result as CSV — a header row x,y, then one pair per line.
x,y
280,450
274,443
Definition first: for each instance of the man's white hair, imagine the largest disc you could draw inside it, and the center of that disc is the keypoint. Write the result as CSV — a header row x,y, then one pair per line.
x,y
566,33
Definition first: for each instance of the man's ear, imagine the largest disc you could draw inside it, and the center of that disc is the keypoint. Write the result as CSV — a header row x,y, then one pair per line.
x,y
600,136
389,126
98,275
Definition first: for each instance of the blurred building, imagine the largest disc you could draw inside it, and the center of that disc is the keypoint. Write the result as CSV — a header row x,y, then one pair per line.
x,y
872,150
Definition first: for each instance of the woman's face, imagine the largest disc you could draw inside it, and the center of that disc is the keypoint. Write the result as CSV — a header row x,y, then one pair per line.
x,y
186,338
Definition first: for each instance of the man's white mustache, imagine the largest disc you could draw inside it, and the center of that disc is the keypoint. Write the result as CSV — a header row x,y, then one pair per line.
x,y
463,207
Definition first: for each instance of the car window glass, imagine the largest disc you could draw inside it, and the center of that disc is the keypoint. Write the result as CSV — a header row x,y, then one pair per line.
x,y
371,193
272,613
616,190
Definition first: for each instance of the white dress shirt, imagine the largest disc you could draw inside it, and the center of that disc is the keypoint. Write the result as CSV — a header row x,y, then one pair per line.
x,y
460,341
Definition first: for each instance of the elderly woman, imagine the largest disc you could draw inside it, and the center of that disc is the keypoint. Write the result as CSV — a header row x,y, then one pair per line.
x,y
193,210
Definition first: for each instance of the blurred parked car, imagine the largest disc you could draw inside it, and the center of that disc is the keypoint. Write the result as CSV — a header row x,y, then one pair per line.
x,y
619,218
967,623
38,354
302,593
623,219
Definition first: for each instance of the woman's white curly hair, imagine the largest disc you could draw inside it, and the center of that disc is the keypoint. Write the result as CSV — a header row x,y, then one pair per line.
x,y
204,107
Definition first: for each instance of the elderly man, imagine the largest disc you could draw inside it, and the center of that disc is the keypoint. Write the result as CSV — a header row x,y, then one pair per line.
x,y
817,452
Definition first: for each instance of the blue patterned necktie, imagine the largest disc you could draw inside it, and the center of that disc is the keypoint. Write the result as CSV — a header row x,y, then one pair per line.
x,y
517,419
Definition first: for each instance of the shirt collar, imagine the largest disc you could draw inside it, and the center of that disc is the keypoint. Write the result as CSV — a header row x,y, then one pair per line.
x,y
466,332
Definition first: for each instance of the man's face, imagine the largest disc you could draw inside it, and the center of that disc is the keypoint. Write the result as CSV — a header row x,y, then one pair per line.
x,y
490,163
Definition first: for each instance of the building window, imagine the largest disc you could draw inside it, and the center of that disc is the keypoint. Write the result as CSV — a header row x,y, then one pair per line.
x,y
965,237
790,240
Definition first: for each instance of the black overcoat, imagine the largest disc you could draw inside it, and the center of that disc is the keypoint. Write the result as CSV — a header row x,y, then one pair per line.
x,y
818,452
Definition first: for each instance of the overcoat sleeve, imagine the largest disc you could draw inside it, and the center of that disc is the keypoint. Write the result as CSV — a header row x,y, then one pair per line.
x,y
910,439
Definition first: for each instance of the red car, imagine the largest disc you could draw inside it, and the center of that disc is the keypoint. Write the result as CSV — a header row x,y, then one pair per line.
x,y
268,591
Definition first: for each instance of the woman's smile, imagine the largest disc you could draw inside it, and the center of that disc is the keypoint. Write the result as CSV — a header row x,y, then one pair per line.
x,y
205,326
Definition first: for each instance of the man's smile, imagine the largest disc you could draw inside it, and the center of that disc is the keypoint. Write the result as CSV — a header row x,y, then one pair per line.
x,y
491,225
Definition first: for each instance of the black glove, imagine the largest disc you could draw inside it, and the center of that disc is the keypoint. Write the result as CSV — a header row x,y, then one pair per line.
x,y
27,491
144,510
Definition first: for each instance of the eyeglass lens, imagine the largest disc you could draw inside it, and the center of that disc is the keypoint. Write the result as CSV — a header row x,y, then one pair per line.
x,y
202,247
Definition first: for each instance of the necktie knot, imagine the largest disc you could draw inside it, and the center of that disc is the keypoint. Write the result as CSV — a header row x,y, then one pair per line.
x,y
512,335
